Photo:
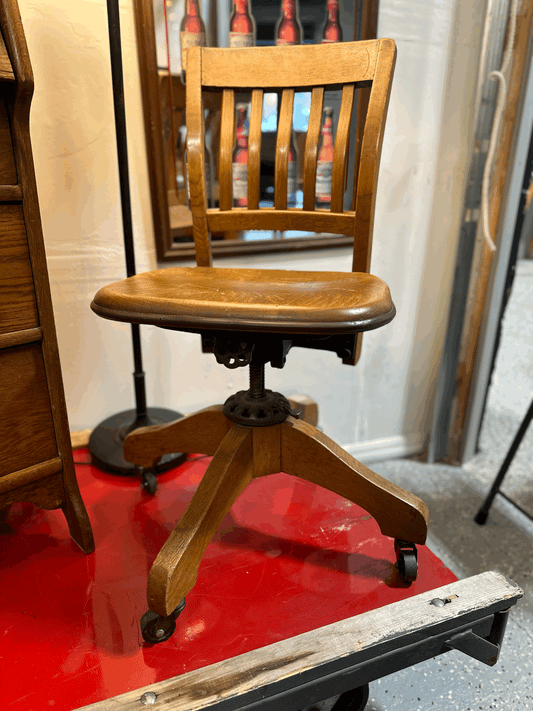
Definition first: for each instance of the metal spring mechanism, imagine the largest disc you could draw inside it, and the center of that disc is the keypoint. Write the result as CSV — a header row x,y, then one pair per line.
x,y
258,407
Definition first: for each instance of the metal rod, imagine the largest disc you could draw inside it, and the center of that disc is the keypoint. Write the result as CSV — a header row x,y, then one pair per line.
x,y
117,75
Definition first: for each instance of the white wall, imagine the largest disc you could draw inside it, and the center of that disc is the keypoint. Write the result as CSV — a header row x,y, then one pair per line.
x,y
380,405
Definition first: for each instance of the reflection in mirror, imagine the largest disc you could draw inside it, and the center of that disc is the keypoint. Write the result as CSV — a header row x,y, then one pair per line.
x,y
165,30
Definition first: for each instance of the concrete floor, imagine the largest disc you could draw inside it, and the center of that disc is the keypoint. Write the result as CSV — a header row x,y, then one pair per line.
x,y
454,682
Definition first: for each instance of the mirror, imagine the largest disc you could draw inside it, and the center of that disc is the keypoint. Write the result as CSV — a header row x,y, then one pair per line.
x,y
163,91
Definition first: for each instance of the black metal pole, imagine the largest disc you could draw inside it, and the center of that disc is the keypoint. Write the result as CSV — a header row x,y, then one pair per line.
x,y
106,441
117,77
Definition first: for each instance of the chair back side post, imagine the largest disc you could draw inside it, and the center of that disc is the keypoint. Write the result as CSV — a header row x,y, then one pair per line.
x,y
370,156
196,160
284,70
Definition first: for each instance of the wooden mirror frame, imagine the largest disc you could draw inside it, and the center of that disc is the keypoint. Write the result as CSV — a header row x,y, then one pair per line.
x,y
167,249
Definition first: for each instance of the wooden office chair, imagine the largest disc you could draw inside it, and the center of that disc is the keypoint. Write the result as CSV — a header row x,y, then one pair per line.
x,y
254,316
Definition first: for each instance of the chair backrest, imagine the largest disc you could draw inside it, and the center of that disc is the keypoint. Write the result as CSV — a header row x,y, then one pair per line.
x,y
344,66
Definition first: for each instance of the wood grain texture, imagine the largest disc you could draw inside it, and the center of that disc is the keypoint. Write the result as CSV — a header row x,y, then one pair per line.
x,y
175,569
18,306
47,419
254,149
309,454
225,153
26,424
30,474
19,338
249,299
268,218
6,70
282,148
8,171
340,157
365,202
201,432
231,679
294,66
311,147
196,161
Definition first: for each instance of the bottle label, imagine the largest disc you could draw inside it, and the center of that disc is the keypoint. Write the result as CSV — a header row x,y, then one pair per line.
x,y
280,41
324,174
192,39
291,182
241,39
239,174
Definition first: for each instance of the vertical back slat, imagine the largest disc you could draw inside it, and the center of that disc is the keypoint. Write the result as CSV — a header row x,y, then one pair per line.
x,y
254,149
311,147
225,153
196,159
282,149
340,155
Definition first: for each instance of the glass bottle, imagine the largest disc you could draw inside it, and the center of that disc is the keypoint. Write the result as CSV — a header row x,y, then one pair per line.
x,y
289,28
241,25
239,167
324,167
292,173
332,29
192,31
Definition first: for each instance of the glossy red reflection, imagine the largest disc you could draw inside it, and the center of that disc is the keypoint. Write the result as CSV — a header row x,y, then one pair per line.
x,y
288,558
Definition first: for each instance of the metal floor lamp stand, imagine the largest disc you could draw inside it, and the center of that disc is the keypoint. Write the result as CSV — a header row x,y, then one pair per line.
x,y
483,513
106,441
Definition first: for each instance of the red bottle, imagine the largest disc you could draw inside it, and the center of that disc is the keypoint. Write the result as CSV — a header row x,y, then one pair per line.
x,y
292,173
332,30
241,25
289,29
192,31
239,168
324,167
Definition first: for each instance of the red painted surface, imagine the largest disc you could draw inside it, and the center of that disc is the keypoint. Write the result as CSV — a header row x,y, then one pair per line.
x,y
288,558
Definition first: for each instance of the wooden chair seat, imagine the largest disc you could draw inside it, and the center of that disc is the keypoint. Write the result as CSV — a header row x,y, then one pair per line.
x,y
271,300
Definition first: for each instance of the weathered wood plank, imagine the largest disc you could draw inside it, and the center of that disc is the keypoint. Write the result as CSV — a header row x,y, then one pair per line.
x,y
290,658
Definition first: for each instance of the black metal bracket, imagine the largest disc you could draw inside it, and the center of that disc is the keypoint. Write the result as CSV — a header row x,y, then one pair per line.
x,y
486,650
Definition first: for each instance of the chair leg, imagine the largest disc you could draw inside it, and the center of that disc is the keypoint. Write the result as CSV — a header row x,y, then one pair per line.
x,y
175,569
201,432
309,454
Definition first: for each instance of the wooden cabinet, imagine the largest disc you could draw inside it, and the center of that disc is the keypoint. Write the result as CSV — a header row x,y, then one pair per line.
x,y
35,457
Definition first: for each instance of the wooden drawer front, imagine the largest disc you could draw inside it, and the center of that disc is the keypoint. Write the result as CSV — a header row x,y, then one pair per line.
x,y
18,309
8,172
26,428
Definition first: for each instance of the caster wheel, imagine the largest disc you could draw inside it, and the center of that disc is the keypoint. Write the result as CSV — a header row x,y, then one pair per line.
x,y
155,628
406,560
353,700
148,481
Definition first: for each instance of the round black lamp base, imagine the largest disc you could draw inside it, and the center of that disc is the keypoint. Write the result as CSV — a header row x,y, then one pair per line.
x,y
106,440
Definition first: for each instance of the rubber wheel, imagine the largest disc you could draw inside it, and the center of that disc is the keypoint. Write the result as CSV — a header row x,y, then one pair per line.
x,y
156,629
407,566
353,700
149,481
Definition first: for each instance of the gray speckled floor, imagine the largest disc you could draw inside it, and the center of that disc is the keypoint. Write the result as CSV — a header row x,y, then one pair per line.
x,y
454,682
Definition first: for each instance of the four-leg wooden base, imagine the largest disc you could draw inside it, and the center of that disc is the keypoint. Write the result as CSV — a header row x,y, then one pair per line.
x,y
240,454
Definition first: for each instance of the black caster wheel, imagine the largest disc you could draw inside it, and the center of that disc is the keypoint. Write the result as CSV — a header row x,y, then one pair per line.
x,y
406,560
156,628
148,480
353,700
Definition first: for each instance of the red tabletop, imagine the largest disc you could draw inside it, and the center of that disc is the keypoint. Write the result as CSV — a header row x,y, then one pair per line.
x,y
289,557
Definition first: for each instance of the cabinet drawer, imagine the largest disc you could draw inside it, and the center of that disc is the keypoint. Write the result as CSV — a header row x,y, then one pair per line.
x,y
26,426
18,308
